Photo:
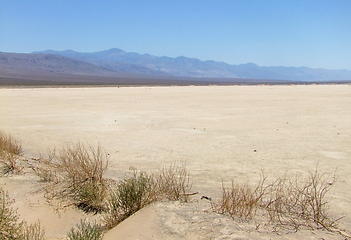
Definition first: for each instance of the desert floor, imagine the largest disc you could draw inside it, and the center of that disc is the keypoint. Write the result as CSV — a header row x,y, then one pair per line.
x,y
223,133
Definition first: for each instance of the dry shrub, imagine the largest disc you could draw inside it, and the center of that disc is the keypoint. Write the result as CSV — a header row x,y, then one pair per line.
x,y
10,163
9,144
45,171
289,203
293,203
173,182
33,231
77,176
240,200
10,149
10,228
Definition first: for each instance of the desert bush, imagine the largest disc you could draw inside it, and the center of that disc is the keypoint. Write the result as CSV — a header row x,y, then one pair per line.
x,y
10,164
136,191
131,194
9,144
78,171
45,171
10,149
293,203
173,182
9,226
86,231
33,231
239,200
289,203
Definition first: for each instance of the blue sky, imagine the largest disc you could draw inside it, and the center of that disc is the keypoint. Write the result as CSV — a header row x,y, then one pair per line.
x,y
312,33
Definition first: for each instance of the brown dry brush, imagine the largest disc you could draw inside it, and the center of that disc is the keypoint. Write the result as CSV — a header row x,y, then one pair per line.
x,y
9,144
75,174
240,200
295,203
32,231
288,203
10,149
45,171
173,182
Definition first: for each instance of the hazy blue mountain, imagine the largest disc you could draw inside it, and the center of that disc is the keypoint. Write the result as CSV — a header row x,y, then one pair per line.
x,y
22,63
119,60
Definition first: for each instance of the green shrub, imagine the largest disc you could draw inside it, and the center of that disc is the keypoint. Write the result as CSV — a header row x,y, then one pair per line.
x,y
133,193
130,195
9,226
86,231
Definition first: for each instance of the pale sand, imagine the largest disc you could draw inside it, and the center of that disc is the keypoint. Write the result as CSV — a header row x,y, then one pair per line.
x,y
222,133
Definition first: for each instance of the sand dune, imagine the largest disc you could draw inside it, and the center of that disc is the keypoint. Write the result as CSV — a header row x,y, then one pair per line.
x,y
221,132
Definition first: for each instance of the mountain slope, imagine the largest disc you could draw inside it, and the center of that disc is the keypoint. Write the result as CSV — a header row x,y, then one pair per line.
x,y
119,60
49,69
23,63
108,60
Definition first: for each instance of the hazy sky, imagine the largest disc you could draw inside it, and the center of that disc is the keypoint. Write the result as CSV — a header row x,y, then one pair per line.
x,y
312,33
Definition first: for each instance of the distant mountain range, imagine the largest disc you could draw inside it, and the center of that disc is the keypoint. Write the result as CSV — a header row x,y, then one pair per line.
x,y
115,66
121,61
22,63
49,69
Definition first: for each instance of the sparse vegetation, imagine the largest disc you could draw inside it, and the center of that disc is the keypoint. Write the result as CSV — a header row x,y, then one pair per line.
x,y
174,182
288,203
32,232
130,195
133,193
9,144
293,203
76,174
86,231
46,172
10,149
10,228
240,200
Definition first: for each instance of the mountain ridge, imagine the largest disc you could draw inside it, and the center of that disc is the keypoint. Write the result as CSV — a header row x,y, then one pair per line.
x,y
119,60
17,69
50,63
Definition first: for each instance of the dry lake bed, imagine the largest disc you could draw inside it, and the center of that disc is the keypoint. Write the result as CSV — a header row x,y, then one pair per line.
x,y
222,133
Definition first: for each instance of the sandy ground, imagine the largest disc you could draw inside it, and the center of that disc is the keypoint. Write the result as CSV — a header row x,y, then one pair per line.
x,y
222,133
